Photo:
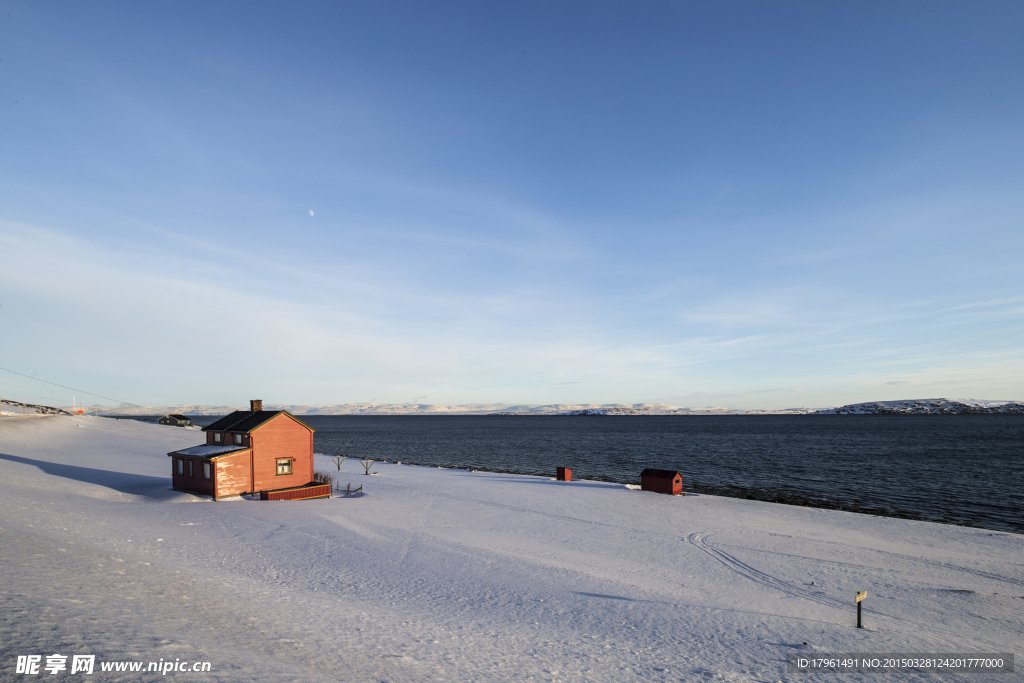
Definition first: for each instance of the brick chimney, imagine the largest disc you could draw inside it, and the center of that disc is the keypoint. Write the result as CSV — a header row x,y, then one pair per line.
x,y
255,404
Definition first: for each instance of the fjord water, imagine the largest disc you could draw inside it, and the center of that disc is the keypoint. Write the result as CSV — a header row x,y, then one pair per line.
x,y
958,469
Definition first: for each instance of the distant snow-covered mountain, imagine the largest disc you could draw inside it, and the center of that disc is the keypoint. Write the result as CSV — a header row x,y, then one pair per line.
x,y
471,409
129,410
909,407
661,409
927,406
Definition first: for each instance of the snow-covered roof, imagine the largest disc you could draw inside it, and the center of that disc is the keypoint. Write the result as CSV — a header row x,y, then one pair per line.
x,y
208,451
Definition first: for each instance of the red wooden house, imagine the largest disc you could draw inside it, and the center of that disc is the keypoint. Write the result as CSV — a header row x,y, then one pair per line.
x,y
662,481
250,451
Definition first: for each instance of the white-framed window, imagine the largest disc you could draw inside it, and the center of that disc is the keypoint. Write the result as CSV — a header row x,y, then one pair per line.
x,y
181,467
206,471
238,439
284,465
217,436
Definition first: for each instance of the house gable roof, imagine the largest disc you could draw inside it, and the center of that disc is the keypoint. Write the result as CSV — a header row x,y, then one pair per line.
x,y
660,474
175,416
249,420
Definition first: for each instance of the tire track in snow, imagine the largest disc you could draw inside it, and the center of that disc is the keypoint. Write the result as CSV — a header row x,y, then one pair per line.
x,y
955,568
902,557
514,508
699,540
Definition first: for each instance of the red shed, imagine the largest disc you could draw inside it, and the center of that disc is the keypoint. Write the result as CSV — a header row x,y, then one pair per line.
x,y
662,481
248,451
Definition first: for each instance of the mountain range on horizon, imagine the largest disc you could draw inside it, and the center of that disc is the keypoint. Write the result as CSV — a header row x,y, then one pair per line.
x,y
909,406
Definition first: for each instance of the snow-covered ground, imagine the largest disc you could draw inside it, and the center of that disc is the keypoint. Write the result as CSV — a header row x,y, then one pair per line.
x,y
450,575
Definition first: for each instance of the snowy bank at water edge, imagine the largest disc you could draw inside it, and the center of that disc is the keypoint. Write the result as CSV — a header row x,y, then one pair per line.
x,y
450,575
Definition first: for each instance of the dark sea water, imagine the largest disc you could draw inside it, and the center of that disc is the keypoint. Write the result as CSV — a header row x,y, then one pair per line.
x,y
958,469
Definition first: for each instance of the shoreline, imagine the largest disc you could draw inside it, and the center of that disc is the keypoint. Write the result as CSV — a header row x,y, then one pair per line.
x,y
740,493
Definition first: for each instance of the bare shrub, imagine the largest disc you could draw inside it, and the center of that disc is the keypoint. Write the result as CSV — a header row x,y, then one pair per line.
x,y
323,478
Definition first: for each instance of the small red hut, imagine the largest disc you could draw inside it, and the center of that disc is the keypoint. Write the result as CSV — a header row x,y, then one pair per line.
x,y
249,451
662,481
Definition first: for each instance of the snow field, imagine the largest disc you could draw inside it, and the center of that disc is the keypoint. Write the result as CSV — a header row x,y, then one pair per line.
x,y
451,575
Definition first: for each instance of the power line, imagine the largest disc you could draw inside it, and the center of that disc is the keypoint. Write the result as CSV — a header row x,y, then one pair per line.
x,y
73,389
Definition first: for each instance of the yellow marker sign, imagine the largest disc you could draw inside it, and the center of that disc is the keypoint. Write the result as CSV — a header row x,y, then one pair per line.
x,y
861,595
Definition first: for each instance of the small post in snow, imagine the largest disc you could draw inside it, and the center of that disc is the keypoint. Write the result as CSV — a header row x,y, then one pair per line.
x,y
860,598
338,459
367,464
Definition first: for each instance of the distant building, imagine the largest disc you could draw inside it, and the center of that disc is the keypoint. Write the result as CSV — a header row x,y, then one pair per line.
x,y
251,451
662,481
175,420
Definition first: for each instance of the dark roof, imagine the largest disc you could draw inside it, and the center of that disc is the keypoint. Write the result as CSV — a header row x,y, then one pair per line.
x,y
176,416
248,420
660,474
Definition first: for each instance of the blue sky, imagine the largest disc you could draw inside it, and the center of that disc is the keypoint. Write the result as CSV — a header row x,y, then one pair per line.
x,y
731,203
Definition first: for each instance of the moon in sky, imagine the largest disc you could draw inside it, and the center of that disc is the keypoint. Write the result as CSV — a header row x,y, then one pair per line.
x,y
311,212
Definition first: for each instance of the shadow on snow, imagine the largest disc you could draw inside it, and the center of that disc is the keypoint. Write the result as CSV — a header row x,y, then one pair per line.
x,y
123,482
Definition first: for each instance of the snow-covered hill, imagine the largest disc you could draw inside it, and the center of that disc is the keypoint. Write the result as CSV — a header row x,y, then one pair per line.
x,y
927,406
186,409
